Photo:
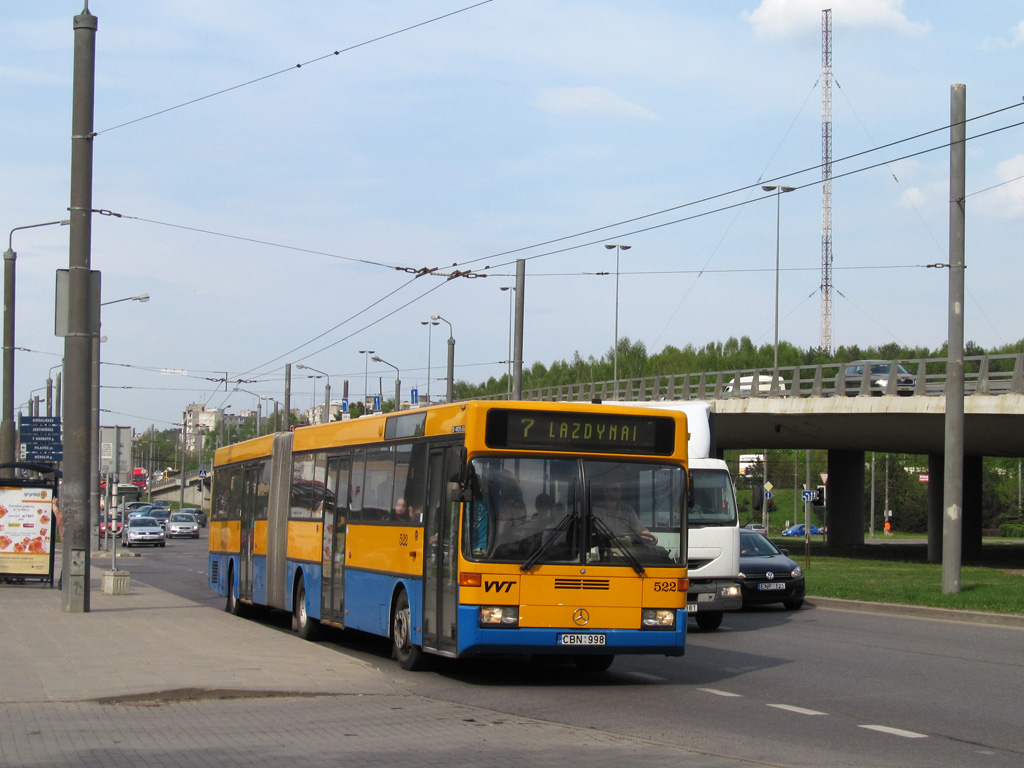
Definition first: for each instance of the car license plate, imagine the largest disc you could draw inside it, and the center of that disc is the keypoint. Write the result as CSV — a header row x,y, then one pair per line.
x,y
691,607
771,585
577,639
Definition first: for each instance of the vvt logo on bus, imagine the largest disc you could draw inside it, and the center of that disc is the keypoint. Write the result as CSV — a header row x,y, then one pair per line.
x,y
498,586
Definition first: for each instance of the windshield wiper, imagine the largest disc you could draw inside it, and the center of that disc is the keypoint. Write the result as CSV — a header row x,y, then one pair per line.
x,y
562,527
605,531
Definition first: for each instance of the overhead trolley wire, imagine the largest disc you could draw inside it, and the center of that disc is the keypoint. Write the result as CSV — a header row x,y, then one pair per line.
x,y
295,67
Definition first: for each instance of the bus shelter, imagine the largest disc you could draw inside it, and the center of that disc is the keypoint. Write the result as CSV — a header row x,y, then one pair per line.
x,y
28,523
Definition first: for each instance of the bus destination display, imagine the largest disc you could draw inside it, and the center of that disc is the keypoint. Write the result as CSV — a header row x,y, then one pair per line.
x,y
585,432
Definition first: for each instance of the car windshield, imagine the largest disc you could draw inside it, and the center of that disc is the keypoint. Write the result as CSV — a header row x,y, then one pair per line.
x,y
181,517
566,510
756,545
883,370
142,522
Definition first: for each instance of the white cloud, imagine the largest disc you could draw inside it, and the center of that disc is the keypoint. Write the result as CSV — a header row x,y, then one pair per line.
x,y
589,100
786,18
1016,38
1005,201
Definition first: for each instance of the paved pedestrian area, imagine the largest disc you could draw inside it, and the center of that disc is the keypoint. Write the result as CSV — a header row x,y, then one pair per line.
x,y
151,679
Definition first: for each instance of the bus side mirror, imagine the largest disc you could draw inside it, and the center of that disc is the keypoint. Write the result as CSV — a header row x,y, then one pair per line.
x,y
457,468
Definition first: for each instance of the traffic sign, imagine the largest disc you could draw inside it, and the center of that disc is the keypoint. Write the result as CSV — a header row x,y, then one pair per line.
x,y
768,487
768,495
809,495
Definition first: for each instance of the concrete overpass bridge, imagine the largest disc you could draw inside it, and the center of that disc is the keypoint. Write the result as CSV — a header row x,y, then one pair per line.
x,y
803,408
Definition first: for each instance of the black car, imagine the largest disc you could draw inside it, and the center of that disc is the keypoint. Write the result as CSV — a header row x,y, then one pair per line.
x,y
767,575
160,515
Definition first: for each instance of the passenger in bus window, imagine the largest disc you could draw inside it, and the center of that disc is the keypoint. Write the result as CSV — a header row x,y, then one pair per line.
x,y
404,513
619,516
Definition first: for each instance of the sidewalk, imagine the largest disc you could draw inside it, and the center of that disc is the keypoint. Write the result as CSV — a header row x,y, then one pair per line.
x,y
152,679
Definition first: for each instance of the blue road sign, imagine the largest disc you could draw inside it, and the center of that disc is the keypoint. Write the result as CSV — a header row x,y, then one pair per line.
x,y
809,495
414,396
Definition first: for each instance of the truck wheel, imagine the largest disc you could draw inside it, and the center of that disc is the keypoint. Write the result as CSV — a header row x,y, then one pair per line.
x,y
709,621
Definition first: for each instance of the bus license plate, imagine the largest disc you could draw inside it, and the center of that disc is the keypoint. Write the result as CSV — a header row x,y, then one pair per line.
x,y
771,585
575,639
691,607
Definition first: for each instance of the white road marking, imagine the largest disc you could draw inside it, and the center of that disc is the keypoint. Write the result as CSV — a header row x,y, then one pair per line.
x,y
895,731
797,710
720,693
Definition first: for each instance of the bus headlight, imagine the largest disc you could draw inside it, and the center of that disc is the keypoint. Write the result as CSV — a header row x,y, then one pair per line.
x,y
732,590
499,616
657,618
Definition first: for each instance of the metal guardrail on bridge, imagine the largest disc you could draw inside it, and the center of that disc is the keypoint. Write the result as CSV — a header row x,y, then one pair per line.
x,y
983,375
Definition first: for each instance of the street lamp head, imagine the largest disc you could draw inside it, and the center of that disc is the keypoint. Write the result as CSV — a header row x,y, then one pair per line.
x,y
620,246
375,359
435,316
429,322
779,187
366,351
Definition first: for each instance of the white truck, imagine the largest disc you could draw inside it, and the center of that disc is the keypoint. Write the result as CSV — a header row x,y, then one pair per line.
x,y
713,533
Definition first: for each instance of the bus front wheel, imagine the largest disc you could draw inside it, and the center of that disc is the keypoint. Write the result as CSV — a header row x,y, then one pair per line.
x,y
593,663
410,657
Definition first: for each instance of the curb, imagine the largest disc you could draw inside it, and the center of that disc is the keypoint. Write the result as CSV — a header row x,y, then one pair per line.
x,y
1012,620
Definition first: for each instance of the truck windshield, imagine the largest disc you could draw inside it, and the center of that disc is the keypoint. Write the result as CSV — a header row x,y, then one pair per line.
x,y
575,511
713,500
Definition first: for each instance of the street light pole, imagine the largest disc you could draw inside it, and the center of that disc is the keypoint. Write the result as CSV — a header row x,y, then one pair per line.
x,y
451,357
327,392
366,374
94,458
618,249
778,189
398,381
430,330
7,441
511,295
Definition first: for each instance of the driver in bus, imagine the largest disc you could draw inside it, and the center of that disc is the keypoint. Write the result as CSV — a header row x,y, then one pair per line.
x,y
620,518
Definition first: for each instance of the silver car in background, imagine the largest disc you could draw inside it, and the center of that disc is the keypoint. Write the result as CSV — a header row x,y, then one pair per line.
x,y
143,530
876,375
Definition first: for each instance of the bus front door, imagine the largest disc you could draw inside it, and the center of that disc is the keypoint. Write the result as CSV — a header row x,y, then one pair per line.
x,y
441,575
332,605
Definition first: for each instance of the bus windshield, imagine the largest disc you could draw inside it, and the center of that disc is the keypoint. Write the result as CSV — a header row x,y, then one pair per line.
x,y
537,510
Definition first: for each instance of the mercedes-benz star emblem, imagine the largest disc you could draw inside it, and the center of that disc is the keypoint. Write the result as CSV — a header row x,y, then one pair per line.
x,y
581,617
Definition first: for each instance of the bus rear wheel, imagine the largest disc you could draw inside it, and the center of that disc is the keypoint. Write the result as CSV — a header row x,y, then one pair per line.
x,y
410,657
233,605
302,622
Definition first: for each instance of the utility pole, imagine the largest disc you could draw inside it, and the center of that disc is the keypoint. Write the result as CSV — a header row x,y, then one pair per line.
x,y
79,442
953,481
517,354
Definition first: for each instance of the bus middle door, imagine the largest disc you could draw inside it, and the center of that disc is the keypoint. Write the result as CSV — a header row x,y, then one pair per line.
x,y
248,513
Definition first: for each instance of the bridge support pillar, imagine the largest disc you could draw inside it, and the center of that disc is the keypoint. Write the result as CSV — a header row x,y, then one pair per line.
x,y
936,481
844,514
971,512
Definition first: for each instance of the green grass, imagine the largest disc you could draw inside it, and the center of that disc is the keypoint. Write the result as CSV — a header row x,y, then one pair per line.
x,y
900,573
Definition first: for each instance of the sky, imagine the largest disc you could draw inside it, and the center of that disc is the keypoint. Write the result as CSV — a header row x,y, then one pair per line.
x,y
277,213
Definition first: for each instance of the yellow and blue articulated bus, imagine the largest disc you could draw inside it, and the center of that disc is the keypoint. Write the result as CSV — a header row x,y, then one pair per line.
x,y
467,529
